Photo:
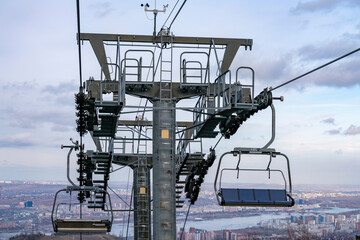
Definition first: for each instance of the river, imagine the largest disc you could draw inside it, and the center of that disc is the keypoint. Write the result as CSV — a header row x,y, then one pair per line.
x,y
236,222
119,229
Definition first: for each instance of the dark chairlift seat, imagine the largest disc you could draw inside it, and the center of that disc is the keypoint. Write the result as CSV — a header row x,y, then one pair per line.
x,y
255,197
82,225
79,224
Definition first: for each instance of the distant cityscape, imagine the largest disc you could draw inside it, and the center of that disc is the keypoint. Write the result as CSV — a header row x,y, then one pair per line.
x,y
321,212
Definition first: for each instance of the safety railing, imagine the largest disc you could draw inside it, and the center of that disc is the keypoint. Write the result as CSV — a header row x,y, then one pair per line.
x,y
133,67
126,142
194,68
119,79
241,96
200,114
222,90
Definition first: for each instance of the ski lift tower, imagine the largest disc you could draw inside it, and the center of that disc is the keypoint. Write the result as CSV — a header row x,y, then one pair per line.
x,y
145,68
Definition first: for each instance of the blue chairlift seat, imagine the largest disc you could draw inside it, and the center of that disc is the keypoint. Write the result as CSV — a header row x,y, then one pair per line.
x,y
255,197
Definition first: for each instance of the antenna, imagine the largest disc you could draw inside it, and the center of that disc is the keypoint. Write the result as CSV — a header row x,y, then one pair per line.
x,y
155,11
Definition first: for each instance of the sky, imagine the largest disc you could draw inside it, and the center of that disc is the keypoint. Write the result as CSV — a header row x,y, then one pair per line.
x,y
318,124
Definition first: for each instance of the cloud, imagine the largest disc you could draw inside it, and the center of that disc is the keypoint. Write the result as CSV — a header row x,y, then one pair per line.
x,y
339,152
341,74
58,128
327,50
352,130
17,141
102,9
323,5
272,70
63,87
19,86
329,121
34,118
334,132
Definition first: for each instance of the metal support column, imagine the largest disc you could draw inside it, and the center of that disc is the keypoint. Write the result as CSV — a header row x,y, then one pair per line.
x,y
164,204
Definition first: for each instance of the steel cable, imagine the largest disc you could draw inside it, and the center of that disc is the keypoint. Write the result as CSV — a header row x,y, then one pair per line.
x,y
185,221
170,13
315,69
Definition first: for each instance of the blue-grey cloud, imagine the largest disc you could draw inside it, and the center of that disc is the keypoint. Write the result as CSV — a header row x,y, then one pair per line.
x,y
63,87
34,118
272,70
102,9
352,130
17,141
334,132
19,86
339,151
341,74
344,73
329,121
327,50
323,5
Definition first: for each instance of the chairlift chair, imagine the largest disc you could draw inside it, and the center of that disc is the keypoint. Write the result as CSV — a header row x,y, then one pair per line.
x,y
254,197
80,224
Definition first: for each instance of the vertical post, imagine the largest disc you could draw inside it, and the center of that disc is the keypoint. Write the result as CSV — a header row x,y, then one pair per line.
x,y
164,204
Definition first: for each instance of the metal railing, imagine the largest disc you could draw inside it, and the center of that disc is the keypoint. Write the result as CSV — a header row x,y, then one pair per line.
x,y
239,94
119,79
203,73
222,90
138,66
199,115
124,143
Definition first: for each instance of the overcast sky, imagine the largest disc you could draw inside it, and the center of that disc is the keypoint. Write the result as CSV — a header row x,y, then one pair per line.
x,y
318,124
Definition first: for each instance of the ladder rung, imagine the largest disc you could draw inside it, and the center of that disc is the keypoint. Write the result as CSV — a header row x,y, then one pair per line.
x,y
95,206
102,161
95,202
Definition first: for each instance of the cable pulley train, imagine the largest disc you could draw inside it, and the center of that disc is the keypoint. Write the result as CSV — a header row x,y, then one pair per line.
x,y
151,137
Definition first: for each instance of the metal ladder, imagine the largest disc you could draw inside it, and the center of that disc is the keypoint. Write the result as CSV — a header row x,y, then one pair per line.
x,y
143,222
166,71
